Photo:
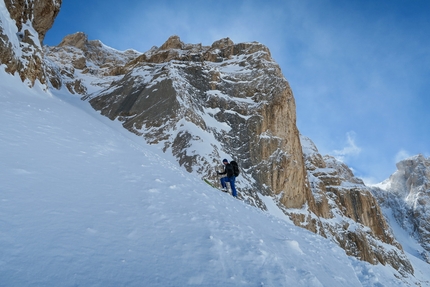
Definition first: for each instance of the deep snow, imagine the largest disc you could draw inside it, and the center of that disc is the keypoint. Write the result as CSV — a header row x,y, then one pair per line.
x,y
83,202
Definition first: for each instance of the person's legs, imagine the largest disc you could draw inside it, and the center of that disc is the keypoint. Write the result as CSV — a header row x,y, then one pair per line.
x,y
223,182
233,186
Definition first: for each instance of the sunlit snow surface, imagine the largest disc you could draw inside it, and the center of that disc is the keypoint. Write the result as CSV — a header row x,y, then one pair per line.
x,y
83,202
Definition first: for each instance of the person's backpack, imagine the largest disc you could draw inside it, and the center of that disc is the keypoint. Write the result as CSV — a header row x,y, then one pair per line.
x,y
235,168
229,170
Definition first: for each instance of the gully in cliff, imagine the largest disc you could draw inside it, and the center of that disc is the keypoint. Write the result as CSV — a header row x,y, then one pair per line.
x,y
232,171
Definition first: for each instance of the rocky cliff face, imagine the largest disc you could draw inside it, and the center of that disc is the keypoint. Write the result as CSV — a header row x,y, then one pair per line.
x,y
41,14
407,195
349,213
204,103
23,28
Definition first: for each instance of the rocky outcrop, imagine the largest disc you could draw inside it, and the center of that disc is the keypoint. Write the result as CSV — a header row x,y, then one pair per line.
x,y
179,94
76,58
407,194
349,213
41,14
24,25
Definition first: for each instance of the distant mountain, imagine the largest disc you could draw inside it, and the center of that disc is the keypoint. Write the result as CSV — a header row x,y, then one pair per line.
x,y
406,194
204,103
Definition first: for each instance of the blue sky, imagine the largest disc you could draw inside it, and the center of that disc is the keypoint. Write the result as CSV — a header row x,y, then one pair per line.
x,y
359,70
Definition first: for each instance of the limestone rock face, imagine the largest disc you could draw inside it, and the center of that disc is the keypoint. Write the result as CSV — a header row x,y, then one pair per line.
x,y
24,26
349,212
407,194
232,94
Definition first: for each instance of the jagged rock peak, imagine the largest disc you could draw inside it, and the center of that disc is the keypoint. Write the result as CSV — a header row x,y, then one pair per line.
x,y
220,50
411,176
174,42
410,164
78,40
222,43
77,53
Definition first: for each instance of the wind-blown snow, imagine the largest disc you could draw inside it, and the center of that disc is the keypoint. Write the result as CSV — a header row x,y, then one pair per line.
x,y
83,202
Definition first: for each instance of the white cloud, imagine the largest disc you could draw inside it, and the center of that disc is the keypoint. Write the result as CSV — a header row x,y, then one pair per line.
x,y
351,149
401,155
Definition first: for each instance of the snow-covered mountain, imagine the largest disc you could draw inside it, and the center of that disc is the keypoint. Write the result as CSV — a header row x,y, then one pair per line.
x,y
188,106
406,197
200,104
85,203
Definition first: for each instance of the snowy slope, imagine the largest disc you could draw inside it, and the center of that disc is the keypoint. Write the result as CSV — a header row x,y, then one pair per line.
x,y
410,245
85,203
